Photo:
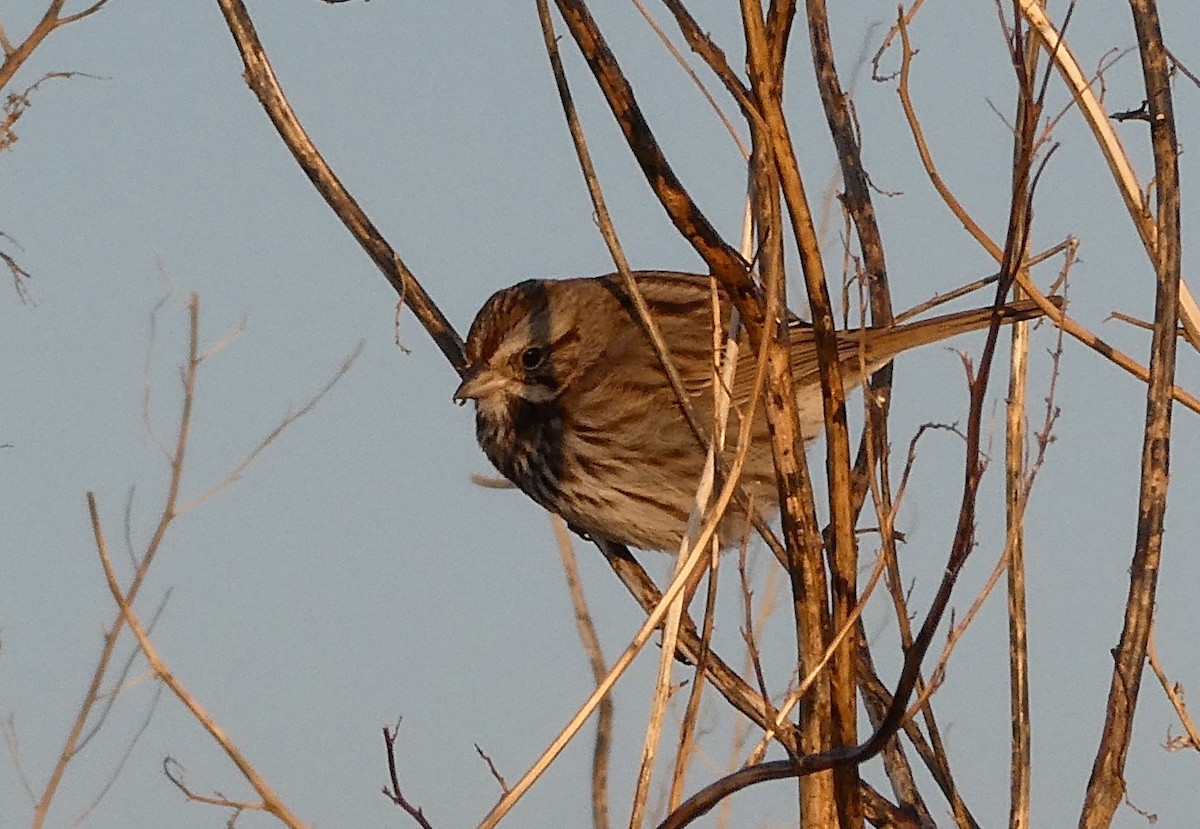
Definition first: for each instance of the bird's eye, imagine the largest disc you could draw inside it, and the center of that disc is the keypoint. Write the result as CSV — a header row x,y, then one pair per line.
x,y
531,358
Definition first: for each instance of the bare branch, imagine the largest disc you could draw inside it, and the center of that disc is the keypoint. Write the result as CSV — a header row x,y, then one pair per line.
x,y
1107,781
270,437
394,794
1174,692
496,775
591,646
110,638
261,79
270,802
90,10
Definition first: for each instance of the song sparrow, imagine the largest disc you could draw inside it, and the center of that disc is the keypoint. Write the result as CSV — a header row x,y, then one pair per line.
x,y
572,404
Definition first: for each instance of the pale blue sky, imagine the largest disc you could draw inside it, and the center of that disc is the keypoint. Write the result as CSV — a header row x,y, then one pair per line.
x,y
354,573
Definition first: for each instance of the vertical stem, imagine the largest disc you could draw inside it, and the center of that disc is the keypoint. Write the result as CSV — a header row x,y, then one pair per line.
x,y
824,801
1018,651
1106,786
1020,771
797,508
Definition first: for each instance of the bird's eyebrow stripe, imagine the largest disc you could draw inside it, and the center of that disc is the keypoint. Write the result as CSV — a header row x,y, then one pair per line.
x,y
568,337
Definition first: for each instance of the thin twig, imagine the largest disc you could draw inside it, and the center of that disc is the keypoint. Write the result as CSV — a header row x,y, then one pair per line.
x,y
693,77
595,656
173,770
1114,153
126,753
270,437
270,801
167,515
13,743
1174,692
394,794
495,772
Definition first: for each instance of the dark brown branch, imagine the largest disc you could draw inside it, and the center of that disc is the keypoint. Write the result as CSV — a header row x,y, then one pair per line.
x,y
857,200
1106,785
725,263
394,794
261,80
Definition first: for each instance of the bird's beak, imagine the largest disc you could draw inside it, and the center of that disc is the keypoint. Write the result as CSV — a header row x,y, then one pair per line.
x,y
477,382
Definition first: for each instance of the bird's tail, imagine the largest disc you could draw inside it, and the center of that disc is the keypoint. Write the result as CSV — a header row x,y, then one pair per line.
x,y
885,342
865,350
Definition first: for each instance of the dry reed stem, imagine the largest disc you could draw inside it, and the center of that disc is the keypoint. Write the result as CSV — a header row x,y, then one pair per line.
x,y
1020,767
689,723
1014,467
662,689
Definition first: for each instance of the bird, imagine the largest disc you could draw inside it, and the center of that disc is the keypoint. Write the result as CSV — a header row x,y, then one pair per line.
x,y
573,407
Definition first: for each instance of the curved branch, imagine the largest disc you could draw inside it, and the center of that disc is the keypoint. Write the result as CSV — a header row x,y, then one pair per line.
x,y
261,80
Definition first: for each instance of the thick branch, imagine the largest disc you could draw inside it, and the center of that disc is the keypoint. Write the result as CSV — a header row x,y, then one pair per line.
x,y
1107,786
